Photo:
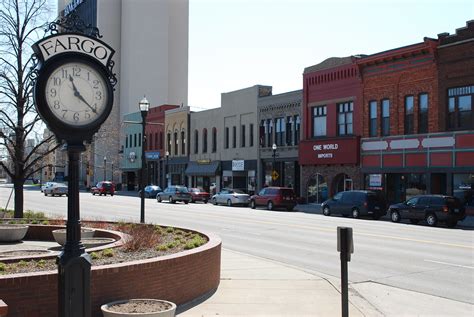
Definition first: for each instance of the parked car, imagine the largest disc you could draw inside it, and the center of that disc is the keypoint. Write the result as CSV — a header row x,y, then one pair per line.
x,y
45,185
356,203
55,189
174,194
103,188
231,197
274,197
198,194
432,208
150,191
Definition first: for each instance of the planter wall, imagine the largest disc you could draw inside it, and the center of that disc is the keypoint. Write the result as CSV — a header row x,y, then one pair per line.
x,y
179,278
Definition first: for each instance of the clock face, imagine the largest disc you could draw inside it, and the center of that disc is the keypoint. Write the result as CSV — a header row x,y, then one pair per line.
x,y
76,93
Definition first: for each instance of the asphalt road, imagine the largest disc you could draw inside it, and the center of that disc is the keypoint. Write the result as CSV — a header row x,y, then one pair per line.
x,y
436,261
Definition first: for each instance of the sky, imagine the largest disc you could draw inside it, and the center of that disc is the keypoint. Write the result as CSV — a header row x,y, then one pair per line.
x,y
234,44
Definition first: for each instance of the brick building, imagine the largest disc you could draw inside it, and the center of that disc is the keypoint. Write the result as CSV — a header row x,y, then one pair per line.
x,y
329,149
406,148
155,147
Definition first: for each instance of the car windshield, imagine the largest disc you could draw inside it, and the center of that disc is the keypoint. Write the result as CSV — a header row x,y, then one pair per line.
x,y
237,191
182,189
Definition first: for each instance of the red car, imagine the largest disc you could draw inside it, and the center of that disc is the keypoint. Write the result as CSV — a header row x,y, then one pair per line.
x,y
103,188
274,197
198,194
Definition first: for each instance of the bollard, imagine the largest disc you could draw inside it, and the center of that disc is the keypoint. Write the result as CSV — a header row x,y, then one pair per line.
x,y
345,246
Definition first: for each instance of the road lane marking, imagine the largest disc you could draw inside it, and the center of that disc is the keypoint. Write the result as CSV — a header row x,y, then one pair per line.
x,y
470,247
451,264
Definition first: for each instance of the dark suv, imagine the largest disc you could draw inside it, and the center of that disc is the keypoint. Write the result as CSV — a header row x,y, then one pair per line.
x,y
356,203
432,208
174,194
274,197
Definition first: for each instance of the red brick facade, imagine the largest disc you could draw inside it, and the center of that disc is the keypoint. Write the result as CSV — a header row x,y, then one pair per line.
x,y
455,65
395,74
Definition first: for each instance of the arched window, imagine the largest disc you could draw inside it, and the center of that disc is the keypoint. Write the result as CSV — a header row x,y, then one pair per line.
x,y
175,136
196,141
183,143
168,142
204,141
214,140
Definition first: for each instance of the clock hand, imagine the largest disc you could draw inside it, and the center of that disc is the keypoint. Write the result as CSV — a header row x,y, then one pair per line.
x,y
78,94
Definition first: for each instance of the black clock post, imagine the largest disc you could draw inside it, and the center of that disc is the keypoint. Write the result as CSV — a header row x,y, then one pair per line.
x,y
73,94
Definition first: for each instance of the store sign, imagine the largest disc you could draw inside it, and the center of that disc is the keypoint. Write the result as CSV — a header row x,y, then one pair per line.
x,y
152,156
375,180
238,165
331,151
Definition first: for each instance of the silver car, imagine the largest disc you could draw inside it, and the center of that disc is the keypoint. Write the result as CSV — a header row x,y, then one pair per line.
x,y
230,197
54,189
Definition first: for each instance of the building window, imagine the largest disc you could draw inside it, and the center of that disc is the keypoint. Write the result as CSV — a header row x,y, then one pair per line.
x,y
234,136
204,141
409,115
460,108
183,143
297,129
161,140
226,138
251,135
196,141
344,118
373,118
269,132
214,140
242,135
319,121
156,140
126,142
385,117
423,113
261,133
168,142
279,131
139,139
135,140
175,143
289,130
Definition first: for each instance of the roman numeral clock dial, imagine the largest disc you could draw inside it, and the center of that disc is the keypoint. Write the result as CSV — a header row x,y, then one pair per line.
x,y
76,93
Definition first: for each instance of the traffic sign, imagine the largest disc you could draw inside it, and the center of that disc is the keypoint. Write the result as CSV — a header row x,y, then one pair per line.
x,y
275,175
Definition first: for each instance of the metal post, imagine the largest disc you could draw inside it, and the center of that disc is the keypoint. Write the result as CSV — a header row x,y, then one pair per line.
x,y
142,176
105,168
274,148
345,246
74,264
166,170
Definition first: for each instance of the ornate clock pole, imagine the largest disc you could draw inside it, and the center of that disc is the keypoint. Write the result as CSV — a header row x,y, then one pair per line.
x,y
74,96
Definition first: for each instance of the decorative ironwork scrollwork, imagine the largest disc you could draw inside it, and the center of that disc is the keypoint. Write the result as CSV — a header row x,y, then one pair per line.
x,y
72,23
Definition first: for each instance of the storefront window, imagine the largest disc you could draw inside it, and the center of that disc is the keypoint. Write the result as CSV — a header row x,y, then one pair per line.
x,y
268,174
415,185
289,174
317,189
463,188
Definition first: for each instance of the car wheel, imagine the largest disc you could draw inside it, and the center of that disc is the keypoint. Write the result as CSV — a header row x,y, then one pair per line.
x,y
229,203
214,201
270,205
395,216
289,208
326,211
158,199
46,194
171,200
252,204
186,202
93,194
431,220
355,213
205,201
111,194
414,221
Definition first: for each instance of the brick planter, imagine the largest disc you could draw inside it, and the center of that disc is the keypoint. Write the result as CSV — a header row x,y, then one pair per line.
x,y
179,278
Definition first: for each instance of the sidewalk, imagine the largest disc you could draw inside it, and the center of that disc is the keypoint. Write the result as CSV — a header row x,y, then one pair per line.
x,y
252,286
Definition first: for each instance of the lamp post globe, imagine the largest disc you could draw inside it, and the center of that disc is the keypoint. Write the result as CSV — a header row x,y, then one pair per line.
x,y
144,106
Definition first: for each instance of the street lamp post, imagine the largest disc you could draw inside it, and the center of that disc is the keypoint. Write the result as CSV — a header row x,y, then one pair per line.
x,y
274,149
144,107
167,154
105,168
112,178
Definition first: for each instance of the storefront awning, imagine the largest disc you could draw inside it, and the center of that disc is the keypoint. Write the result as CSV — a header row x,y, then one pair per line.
x,y
199,169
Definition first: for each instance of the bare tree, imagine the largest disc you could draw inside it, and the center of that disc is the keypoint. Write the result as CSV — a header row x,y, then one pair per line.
x,y
21,24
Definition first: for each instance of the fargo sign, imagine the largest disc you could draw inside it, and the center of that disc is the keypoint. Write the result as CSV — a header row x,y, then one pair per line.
x,y
73,43
331,151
